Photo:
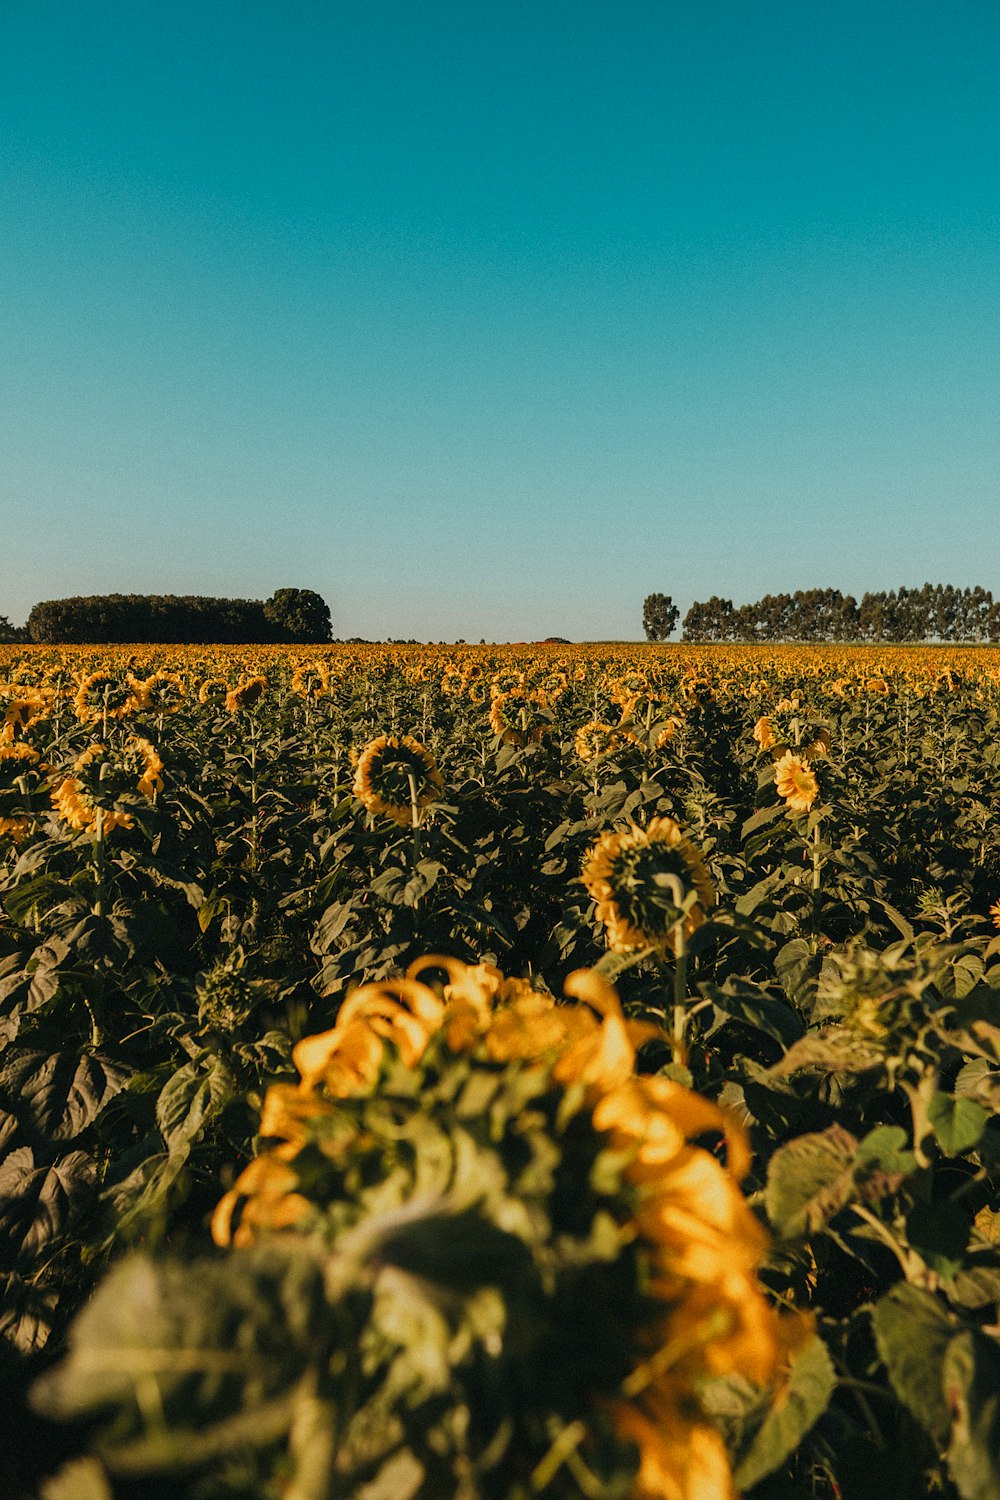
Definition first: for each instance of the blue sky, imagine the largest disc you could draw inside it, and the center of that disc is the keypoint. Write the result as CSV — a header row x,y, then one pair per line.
x,y
486,320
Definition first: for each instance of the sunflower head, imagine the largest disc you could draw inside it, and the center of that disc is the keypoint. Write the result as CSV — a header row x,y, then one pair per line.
x,y
394,772
106,695
104,779
245,694
520,717
796,782
595,739
311,679
161,693
613,1295
650,884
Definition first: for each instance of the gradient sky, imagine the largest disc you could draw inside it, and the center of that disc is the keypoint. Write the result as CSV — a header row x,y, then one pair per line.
x,y
486,318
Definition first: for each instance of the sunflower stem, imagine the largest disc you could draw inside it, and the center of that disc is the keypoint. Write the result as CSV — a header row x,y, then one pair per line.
x,y
414,817
679,1045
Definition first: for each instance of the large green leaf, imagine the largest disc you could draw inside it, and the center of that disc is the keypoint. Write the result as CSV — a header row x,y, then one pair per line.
x,y
972,1385
57,1095
912,1333
799,1403
39,1203
809,1181
958,1124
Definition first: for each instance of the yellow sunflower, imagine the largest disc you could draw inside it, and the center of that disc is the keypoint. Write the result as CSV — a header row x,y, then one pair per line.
x,y
683,1246
796,781
595,739
103,695
650,885
394,772
245,694
100,777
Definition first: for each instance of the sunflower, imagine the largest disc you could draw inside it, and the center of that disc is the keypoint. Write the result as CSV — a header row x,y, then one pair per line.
x,y
520,716
103,695
19,777
796,781
162,693
995,914
212,689
394,772
101,777
650,884
310,679
595,739
680,1245
245,694
21,705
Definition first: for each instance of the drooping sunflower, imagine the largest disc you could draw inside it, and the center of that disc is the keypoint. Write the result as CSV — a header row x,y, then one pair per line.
x,y
213,690
650,884
104,695
393,772
618,1298
594,739
245,694
520,717
161,693
19,779
101,777
796,781
311,679
20,706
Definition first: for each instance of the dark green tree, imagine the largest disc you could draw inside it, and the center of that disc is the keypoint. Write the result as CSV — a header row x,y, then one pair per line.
x,y
659,616
300,614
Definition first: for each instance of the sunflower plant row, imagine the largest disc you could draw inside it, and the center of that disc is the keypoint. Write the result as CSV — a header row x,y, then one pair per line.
x,y
469,1072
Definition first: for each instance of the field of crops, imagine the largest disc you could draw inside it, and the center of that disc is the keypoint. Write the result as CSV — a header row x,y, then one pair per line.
x,y
725,1218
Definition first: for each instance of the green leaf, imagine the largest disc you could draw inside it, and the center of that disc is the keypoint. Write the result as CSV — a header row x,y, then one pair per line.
x,y
38,1204
25,1314
750,900
40,891
887,1147
796,966
912,1333
809,1181
755,1007
958,1124
761,818
56,1096
423,879
972,1387
801,1402
192,1097
939,1232
222,1345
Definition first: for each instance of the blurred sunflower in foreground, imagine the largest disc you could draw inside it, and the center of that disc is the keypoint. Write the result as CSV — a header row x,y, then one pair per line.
x,y
651,886
496,1265
397,777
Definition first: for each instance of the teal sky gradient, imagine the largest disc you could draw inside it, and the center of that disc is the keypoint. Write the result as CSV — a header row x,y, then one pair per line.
x,y
488,319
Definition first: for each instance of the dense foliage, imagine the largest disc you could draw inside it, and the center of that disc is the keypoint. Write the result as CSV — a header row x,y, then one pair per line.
x,y
935,612
290,615
788,865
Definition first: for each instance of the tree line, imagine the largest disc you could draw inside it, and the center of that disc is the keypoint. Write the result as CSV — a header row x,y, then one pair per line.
x,y
289,616
935,612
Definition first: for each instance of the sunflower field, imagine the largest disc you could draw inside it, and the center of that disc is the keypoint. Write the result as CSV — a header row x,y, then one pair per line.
x,y
489,1073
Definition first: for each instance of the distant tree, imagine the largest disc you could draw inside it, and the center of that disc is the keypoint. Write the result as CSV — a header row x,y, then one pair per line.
x,y
659,616
10,634
300,614
710,621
